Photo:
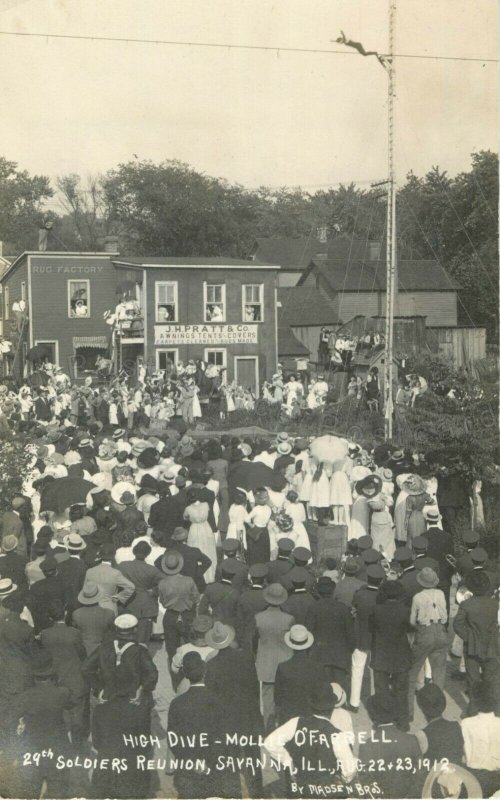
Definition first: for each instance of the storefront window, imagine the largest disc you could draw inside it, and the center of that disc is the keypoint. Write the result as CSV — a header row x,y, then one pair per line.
x,y
78,299
215,302
253,304
166,302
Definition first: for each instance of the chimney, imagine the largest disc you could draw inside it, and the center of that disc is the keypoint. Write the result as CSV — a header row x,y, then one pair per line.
x,y
321,234
111,244
374,249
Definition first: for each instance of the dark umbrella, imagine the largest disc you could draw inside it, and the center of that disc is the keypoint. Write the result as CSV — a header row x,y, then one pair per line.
x,y
38,353
250,476
63,493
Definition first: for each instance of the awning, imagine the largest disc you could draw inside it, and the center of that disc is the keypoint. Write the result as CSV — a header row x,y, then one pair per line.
x,y
97,342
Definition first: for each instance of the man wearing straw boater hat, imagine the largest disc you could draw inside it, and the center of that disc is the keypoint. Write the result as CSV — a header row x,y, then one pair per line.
x,y
92,620
295,677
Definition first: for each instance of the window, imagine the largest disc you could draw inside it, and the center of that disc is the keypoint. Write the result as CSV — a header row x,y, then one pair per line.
x,y
253,302
166,302
163,357
23,291
214,301
52,347
216,358
78,299
7,303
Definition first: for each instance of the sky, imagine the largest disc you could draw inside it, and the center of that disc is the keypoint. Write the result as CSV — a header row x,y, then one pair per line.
x,y
254,117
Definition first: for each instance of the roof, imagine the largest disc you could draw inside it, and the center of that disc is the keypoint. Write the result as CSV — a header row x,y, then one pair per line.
x,y
52,254
192,261
362,276
293,252
289,345
305,305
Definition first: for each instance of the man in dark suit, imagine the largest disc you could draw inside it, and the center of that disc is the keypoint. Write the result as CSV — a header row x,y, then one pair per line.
x,y
231,549
392,747
160,512
13,525
232,677
43,411
363,603
295,677
195,563
283,562
299,599
440,547
220,599
391,653
408,575
44,593
65,645
176,505
421,557
464,562
72,572
331,623
250,602
194,713
476,623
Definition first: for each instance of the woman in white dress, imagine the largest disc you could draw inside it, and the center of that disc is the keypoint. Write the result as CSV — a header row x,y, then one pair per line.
x,y
201,534
382,526
340,494
320,492
308,470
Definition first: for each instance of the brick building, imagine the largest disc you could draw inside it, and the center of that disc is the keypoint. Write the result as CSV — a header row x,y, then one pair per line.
x,y
218,309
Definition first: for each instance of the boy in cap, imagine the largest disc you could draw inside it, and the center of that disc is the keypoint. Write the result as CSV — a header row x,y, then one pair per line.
x,y
299,599
283,562
122,654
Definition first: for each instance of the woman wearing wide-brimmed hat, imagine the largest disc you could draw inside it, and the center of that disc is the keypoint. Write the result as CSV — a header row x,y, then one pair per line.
x,y
417,497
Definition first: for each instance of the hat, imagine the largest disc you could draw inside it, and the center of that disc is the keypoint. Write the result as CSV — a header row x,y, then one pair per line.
x,y
17,502
282,436
201,623
402,554
299,638
365,542
180,481
432,515
180,534
258,571
118,434
325,585
48,565
148,458
90,594
245,449
169,476
123,488
351,566
397,456
301,444
386,474
275,594
73,541
369,486
284,448
85,443
229,566
375,572
427,578
126,622
301,554
419,543
220,636
414,484
322,698
7,587
9,543
107,451
298,575
285,545
339,694
148,482
72,457
231,545
383,707
284,522
479,555
172,563
393,590
370,556
186,450
471,537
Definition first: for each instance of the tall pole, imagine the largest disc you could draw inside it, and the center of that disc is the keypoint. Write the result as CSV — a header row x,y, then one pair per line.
x,y
391,277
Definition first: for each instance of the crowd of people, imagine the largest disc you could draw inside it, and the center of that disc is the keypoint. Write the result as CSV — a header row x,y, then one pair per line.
x,y
223,552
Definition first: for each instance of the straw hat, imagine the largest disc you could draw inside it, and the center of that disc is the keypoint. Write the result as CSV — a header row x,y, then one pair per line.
x,y
299,638
427,578
275,594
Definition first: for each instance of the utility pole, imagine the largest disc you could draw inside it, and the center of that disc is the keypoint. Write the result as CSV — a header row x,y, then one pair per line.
x,y
391,274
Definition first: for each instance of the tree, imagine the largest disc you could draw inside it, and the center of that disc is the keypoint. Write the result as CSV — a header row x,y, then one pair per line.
x,y
170,209
87,221
21,206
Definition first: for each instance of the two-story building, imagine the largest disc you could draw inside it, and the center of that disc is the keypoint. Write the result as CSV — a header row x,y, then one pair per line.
x,y
221,310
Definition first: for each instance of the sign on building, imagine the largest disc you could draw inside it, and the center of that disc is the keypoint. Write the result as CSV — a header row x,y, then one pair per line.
x,y
206,334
